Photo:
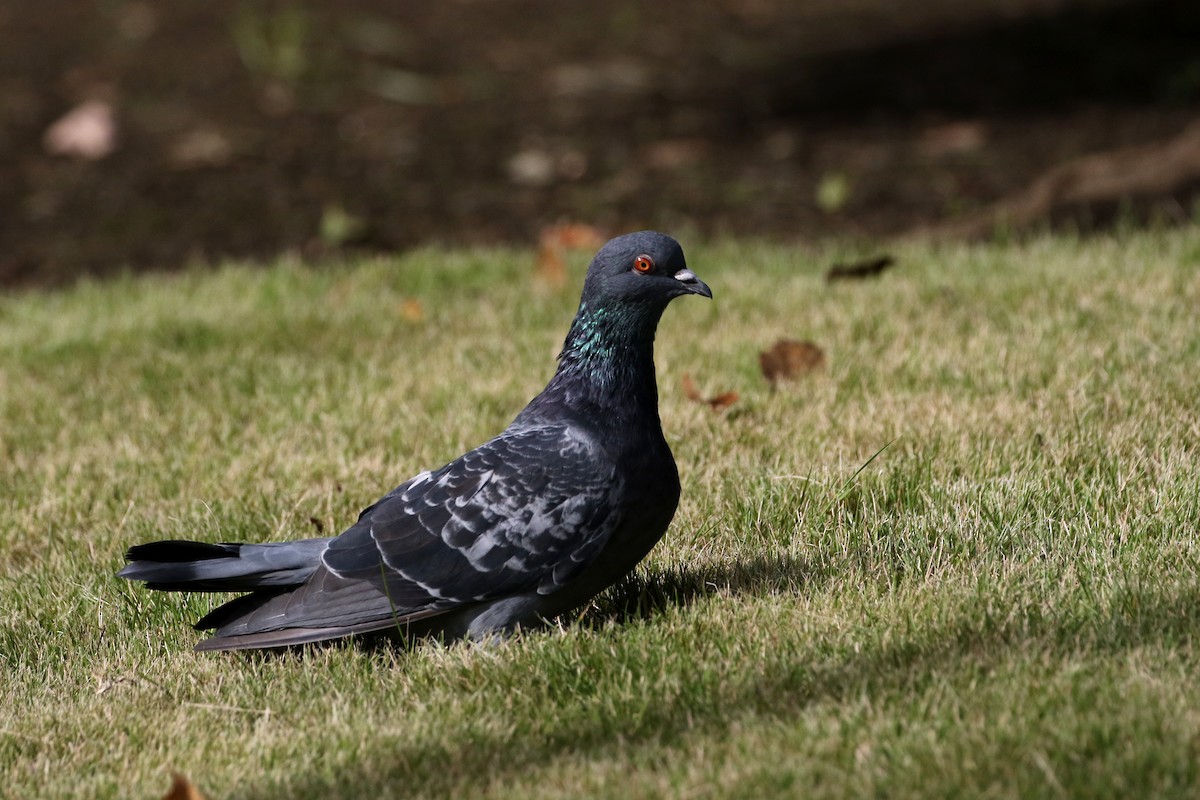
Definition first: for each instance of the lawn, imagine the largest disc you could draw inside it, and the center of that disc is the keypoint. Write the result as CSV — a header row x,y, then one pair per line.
x,y
1004,602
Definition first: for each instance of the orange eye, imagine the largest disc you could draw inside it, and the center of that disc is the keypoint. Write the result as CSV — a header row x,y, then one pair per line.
x,y
643,264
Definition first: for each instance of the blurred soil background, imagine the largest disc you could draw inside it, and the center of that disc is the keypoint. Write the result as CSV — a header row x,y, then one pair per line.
x,y
142,135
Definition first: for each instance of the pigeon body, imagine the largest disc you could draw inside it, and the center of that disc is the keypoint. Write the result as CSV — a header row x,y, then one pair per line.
x,y
537,521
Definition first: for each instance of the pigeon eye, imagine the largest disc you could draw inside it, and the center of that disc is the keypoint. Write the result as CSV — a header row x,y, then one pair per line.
x,y
643,264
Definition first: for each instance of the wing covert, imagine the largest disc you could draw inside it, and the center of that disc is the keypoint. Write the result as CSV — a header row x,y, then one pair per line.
x,y
527,510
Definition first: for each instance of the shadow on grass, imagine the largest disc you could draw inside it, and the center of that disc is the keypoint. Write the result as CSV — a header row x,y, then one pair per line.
x,y
643,595
782,688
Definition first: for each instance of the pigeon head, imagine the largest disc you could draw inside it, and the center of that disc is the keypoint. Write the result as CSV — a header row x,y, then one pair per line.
x,y
628,286
643,269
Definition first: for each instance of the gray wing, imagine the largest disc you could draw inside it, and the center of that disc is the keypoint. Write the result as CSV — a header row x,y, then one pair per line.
x,y
525,512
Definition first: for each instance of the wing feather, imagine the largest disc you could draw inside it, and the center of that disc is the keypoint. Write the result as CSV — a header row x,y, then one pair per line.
x,y
524,512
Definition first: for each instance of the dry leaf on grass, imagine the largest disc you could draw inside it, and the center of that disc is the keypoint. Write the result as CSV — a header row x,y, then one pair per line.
x,y
557,239
182,789
412,310
868,268
789,359
717,402
722,400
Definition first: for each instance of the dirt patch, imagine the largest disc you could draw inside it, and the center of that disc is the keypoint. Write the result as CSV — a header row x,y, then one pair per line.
x,y
246,128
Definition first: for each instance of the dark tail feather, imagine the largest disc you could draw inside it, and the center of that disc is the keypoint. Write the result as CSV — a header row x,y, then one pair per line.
x,y
237,607
182,566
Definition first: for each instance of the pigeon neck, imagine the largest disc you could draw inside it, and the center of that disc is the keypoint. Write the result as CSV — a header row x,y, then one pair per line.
x,y
609,355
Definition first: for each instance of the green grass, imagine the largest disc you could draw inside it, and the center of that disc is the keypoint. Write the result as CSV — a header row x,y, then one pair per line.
x,y
1004,603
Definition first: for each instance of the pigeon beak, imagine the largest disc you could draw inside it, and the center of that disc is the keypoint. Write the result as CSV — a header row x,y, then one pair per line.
x,y
692,284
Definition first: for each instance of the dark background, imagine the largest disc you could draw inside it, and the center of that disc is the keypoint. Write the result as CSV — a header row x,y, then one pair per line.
x,y
245,128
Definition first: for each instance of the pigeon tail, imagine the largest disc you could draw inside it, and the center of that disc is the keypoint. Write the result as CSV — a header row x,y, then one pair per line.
x,y
183,566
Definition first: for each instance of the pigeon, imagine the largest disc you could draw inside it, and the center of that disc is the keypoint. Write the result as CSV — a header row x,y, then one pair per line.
x,y
566,501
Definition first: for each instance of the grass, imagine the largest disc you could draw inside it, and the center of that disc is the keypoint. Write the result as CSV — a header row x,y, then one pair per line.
x,y
1004,603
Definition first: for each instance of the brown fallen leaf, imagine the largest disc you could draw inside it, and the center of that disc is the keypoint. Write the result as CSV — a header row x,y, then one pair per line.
x,y
182,789
723,400
717,402
868,268
412,310
789,359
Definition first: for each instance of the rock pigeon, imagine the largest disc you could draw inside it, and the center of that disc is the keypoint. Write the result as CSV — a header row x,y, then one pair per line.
x,y
537,521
